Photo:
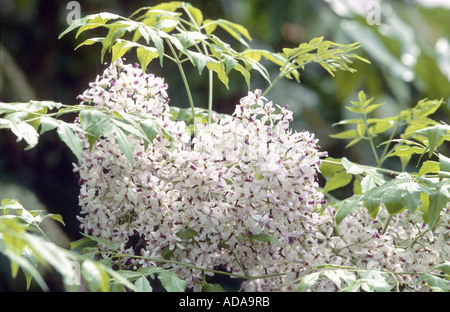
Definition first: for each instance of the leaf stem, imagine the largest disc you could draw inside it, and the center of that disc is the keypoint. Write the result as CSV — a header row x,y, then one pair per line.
x,y
210,72
186,84
387,224
284,71
386,148
190,266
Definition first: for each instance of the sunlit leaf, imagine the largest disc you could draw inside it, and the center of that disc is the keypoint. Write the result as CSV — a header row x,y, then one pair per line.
x,y
338,180
145,56
428,167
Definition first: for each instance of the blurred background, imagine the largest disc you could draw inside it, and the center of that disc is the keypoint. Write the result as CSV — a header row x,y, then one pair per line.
x,y
407,42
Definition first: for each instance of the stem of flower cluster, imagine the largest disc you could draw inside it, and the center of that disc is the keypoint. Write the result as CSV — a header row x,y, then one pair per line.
x,y
190,266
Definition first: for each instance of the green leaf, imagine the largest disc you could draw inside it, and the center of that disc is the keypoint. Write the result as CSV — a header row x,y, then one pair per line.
x,y
47,124
27,267
346,276
396,194
425,108
347,206
355,109
207,287
143,285
348,134
81,244
330,166
130,275
150,130
351,167
90,41
436,136
48,253
119,49
265,238
89,22
444,267
370,181
429,166
95,278
150,270
380,125
94,21
124,144
402,150
219,68
245,73
235,30
159,44
94,124
104,241
67,135
372,107
438,200
334,277
146,55
56,217
374,281
116,30
200,60
338,180
196,14
444,166
308,280
444,163
436,283
24,131
167,23
362,97
171,282
10,204
187,234
13,237
128,123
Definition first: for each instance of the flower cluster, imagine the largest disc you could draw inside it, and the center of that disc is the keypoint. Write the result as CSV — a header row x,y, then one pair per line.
x,y
407,247
230,197
241,195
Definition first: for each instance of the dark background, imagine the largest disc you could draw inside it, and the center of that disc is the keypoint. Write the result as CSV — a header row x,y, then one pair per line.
x,y
34,64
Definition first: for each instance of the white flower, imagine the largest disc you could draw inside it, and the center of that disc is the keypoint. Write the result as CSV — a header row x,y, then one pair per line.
x,y
213,201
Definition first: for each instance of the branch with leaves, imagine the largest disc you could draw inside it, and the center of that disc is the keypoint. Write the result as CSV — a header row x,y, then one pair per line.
x,y
427,190
178,32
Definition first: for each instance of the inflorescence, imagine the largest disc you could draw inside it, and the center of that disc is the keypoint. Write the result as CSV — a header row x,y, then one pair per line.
x,y
241,195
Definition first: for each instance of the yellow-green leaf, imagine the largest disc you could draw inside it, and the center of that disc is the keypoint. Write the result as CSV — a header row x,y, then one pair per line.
x,y
428,167
219,68
146,55
338,180
348,134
